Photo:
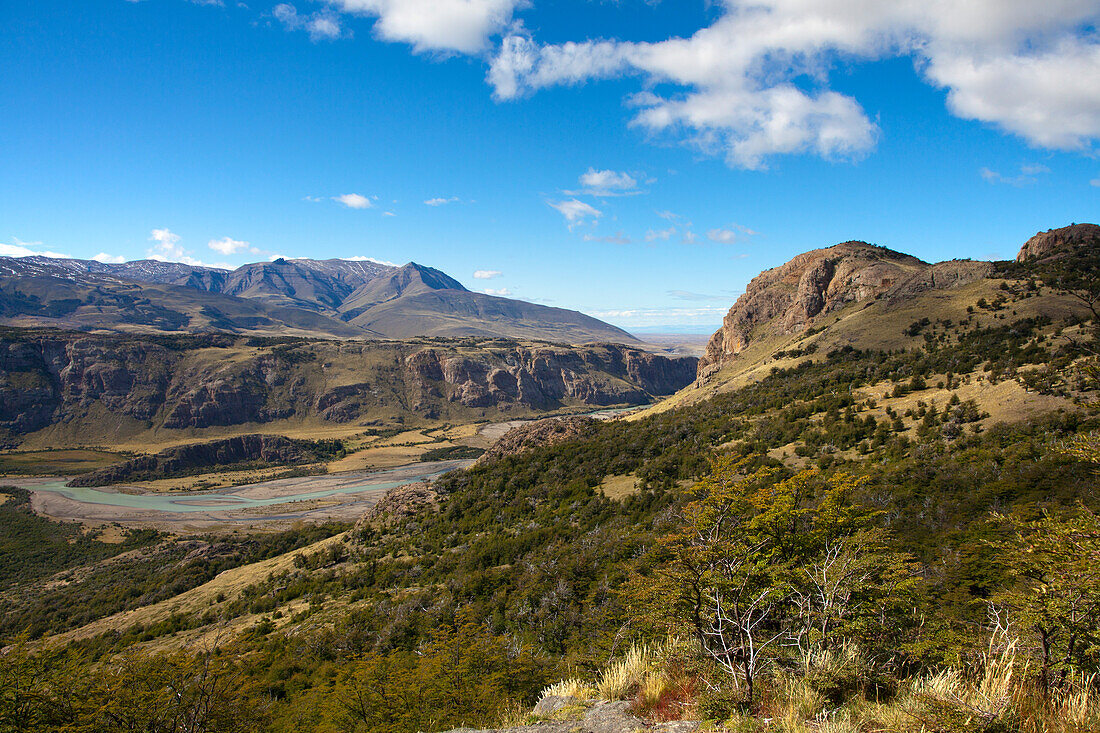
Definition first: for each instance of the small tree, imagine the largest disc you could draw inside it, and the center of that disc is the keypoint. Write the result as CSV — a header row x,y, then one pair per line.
x,y
1054,594
761,563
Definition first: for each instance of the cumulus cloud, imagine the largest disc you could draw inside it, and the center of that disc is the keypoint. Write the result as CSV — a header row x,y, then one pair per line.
x,y
440,201
1027,175
19,248
754,83
462,26
323,25
109,258
616,238
575,211
354,201
502,292
663,235
486,274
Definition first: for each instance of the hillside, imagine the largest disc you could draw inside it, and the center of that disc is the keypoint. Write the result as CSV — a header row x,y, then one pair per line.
x,y
300,297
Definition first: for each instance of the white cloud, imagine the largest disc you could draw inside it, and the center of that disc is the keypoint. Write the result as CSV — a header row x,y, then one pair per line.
x,y
502,292
575,211
689,237
668,215
688,295
616,238
109,258
354,201
441,201
486,274
169,249
737,87
698,315
228,246
361,258
663,235
323,25
724,236
606,183
19,248
1026,176
462,26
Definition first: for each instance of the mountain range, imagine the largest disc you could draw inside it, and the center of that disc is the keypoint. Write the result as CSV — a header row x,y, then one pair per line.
x,y
301,297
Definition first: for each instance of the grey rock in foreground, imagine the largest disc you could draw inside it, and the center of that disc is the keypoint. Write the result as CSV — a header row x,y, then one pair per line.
x,y
602,717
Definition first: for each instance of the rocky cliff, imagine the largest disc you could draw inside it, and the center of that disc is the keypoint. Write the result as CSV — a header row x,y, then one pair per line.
x,y
111,386
1063,241
794,297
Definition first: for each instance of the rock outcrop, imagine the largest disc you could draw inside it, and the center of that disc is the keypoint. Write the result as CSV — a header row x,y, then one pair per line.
x,y
590,717
401,502
246,449
1060,242
788,298
794,297
549,431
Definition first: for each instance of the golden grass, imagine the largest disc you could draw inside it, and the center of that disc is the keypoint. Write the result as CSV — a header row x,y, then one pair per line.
x,y
572,687
619,486
621,678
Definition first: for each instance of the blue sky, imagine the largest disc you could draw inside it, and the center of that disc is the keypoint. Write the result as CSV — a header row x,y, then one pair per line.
x,y
639,161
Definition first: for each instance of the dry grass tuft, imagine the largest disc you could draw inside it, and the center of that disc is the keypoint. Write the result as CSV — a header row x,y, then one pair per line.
x,y
621,678
569,688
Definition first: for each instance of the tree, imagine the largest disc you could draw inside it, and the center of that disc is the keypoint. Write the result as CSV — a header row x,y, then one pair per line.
x,y
1054,591
761,563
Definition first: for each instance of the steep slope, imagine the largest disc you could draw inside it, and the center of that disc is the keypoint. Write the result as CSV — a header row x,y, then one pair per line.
x,y
69,388
328,298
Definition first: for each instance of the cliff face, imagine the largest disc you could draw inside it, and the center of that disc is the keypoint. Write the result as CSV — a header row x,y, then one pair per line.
x,y
791,298
112,385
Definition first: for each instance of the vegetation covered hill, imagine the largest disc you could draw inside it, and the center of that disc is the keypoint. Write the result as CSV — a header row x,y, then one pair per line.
x,y
858,538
